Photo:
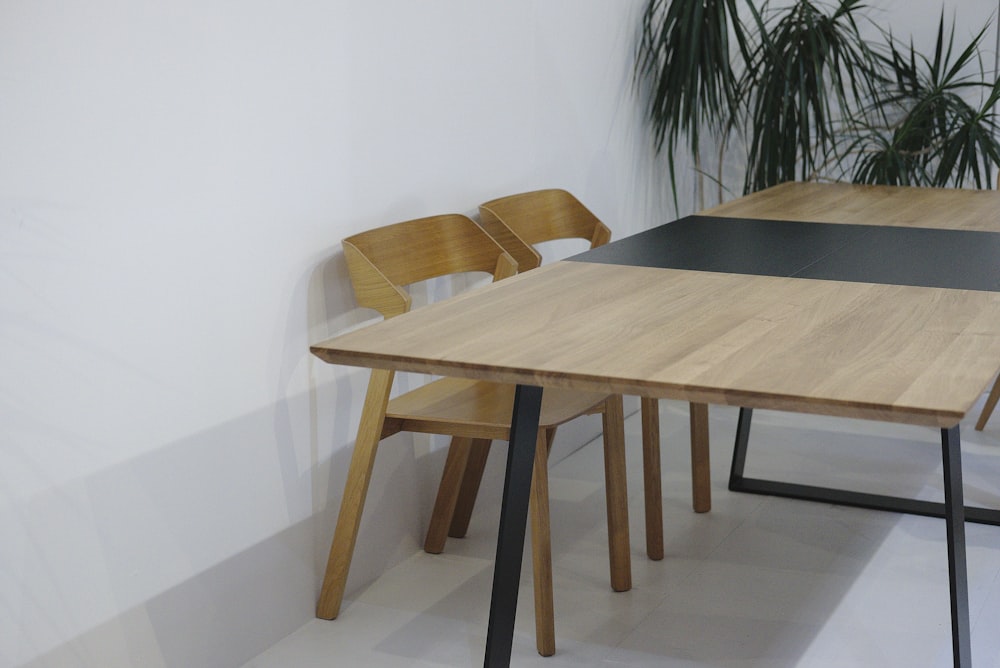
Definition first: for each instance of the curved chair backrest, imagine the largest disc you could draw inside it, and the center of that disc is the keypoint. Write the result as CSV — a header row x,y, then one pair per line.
x,y
384,260
520,221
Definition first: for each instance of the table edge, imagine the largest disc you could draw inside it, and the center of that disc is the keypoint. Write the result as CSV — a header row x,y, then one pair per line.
x,y
692,394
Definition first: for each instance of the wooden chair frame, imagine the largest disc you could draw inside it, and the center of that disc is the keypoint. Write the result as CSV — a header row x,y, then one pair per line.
x,y
381,263
525,219
521,221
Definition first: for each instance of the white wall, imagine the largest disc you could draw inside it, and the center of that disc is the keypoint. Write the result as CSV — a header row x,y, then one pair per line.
x,y
920,18
174,182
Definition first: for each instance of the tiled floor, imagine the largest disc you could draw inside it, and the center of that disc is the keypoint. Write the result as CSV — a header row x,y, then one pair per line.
x,y
758,582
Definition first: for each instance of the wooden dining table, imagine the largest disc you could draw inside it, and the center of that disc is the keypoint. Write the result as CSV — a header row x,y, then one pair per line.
x,y
870,302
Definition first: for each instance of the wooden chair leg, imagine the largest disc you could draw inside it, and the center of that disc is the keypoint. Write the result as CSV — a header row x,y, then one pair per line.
x,y
478,452
650,410
991,403
550,437
447,496
701,479
355,490
541,550
616,490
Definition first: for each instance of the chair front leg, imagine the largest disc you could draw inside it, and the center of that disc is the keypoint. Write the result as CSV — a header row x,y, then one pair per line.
x,y
701,479
616,491
355,490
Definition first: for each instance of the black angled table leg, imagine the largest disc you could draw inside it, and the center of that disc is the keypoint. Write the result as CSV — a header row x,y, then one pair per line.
x,y
513,521
843,497
953,511
740,449
954,515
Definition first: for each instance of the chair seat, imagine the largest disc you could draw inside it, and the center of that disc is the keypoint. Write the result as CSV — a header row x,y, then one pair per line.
x,y
479,409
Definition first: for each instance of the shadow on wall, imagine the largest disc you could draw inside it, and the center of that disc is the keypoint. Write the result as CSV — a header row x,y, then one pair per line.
x,y
199,504
404,480
222,617
315,431
207,550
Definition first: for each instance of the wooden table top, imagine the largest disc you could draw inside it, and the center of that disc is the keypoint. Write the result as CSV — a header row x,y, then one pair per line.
x,y
944,208
919,355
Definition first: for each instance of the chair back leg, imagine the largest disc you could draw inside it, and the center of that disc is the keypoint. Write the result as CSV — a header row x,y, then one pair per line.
x,y
470,487
541,549
991,403
455,466
652,491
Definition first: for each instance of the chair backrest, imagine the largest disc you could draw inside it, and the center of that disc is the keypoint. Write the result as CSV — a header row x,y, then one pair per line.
x,y
520,221
384,260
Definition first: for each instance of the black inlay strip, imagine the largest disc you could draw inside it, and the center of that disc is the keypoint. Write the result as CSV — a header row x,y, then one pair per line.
x,y
963,259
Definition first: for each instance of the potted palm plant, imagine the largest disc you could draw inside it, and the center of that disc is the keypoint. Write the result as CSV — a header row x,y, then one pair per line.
x,y
933,122
806,69
812,98
685,71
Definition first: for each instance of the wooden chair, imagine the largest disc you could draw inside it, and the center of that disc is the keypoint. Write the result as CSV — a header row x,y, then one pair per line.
x,y
991,403
520,222
381,262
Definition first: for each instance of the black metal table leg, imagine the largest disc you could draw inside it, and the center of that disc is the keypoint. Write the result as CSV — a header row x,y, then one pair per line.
x,y
740,449
513,521
953,510
954,515
841,497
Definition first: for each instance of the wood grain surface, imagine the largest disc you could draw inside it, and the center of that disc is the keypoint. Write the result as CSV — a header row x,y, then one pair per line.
x,y
894,353
941,208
